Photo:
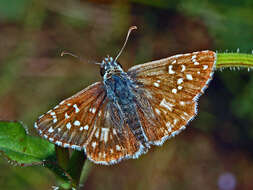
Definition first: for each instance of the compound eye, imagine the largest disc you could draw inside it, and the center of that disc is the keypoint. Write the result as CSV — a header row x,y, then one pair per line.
x,y
102,71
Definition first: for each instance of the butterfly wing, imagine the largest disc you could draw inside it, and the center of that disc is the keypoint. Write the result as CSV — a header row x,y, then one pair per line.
x,y
108,145
69,124
172,87
88,121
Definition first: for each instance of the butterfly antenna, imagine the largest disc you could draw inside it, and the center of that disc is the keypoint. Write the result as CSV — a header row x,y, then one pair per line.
x,y
128,33
73,55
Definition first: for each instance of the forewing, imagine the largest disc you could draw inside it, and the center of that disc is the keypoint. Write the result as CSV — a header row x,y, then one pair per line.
x,y
88,121
69,124
172,86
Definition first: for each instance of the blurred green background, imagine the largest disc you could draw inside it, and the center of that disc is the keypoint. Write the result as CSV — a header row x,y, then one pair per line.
x,y
214,152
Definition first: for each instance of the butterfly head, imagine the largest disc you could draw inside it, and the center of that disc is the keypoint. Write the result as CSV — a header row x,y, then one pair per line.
x,y
109,67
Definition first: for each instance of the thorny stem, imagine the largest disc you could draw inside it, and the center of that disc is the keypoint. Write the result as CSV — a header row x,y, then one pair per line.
x,y
234,60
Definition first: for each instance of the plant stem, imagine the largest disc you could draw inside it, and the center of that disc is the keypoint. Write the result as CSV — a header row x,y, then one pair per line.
x,y
234,60
75,167
62,155
86,170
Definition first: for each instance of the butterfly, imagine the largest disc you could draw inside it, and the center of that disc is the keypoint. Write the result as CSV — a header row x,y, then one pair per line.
x,y
126,113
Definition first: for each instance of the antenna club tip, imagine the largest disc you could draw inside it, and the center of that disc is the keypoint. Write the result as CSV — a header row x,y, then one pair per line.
x,y
133,28
62,53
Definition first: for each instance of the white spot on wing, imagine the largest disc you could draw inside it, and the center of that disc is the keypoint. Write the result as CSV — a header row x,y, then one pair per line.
x,y
92,110
189,76
174,90
86,127
94,144
169,126
156,84
157,111
76,108
68,125
104,134
194,57
205,67
183,68
77,123
97,134
167,105
170,69
186,114
179,81
66,115
182,103
118,148
50,130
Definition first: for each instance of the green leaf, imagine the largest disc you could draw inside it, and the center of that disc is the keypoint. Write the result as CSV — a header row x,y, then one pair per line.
x,y
22,148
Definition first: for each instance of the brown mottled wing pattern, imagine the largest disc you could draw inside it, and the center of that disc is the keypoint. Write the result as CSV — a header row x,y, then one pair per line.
x,y
69,124
172,87
83,121
108,145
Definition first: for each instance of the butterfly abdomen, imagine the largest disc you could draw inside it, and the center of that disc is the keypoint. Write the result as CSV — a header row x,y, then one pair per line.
x,y
133,121
119,91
